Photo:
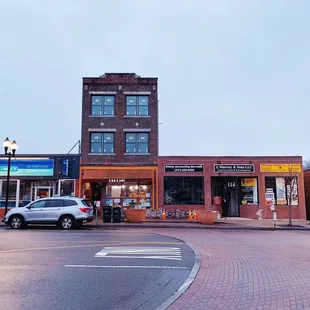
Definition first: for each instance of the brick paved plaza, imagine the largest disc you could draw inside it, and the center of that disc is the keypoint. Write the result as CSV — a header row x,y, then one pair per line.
x,y
248,270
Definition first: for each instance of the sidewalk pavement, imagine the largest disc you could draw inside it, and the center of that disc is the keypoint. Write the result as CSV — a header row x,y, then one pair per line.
x,y
230,223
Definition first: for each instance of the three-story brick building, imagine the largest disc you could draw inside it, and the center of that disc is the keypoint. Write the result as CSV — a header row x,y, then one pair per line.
x,y
119,145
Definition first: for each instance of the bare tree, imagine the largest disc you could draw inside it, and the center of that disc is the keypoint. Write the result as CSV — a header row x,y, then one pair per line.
x,y
291,188
306,165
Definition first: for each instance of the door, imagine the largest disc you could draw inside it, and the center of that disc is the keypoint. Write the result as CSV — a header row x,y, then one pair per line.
x,y
233,209
34,212
52,210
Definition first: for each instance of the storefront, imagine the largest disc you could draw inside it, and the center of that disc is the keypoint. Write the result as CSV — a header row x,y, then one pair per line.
x,y
120,186
235,186
34,177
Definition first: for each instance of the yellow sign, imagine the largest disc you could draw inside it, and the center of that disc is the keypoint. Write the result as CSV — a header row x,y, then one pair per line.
x,y
280,168
248,182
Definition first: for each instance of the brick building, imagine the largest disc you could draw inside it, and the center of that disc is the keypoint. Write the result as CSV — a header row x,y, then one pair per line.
x,y
119,143
239,186
307,191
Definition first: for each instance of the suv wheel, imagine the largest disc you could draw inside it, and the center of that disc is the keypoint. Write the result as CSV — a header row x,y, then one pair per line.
x,y
16,221
66,222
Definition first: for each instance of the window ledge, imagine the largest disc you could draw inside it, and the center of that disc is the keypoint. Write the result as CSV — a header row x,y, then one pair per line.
x,y
140,116
101,154
139,154
102,115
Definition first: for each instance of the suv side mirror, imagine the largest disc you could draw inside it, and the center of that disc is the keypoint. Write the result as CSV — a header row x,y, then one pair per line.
x,y
28,207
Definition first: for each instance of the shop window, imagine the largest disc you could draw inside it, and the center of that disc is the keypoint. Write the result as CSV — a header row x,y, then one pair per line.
x,y
282,190
102,143
137,105
12,193
249,193
184,190
137,142
66,187
129,195
103,105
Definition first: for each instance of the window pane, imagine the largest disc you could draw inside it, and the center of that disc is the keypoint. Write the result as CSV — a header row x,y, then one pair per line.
x,y
108,147
130,137
86,202
143,100
96,147
143,147
130,148
108,137
67,187
292,190
53,203
38,204
108,110
131,110
249,191
69,203
143,137
96,100
96,137
96,110
143,110
108,100
183,190
131,101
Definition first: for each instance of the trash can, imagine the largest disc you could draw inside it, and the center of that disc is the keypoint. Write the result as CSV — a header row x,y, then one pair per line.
x,y
116,214
107,214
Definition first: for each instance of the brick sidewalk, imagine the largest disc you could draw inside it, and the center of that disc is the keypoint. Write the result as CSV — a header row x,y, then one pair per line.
x,y
247,270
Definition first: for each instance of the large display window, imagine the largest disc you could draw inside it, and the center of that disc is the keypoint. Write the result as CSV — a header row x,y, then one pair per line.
x,y
129,194
282,190
184,190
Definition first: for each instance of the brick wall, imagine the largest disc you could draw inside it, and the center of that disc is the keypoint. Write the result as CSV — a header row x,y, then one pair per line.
x,y
119,83
307,192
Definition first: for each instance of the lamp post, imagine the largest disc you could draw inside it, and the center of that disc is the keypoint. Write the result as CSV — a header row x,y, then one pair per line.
x,y
9,150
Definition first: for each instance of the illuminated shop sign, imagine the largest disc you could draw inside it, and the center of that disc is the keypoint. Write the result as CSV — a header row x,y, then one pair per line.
x,y
28,167
117,180
234,168
183,168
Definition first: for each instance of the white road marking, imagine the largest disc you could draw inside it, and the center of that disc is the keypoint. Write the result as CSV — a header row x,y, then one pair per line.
x,y
140,252
136,267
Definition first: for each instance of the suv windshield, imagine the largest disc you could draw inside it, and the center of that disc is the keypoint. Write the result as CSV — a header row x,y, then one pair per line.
x,y
86,202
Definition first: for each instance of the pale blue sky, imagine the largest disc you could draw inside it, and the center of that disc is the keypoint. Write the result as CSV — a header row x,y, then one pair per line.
x,y
233,75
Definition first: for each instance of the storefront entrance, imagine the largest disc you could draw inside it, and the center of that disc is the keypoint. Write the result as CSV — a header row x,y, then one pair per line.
x,y
233,193
42,190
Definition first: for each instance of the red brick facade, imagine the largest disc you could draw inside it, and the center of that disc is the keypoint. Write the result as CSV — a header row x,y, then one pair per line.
x,y
119,85
246,211
307,192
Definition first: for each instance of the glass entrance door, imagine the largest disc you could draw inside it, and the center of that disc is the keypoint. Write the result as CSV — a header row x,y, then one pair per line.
x,y
42,191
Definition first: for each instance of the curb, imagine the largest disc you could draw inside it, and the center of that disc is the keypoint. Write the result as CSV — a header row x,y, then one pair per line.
x,y
198,227
184,287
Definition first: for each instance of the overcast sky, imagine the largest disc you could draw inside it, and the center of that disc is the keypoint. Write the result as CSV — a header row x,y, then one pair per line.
x,y
233,75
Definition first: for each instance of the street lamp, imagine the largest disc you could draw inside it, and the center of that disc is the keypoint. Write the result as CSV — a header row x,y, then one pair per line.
x,y
9,150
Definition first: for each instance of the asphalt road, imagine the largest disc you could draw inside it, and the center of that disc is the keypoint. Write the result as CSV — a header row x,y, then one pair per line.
x,y
47,268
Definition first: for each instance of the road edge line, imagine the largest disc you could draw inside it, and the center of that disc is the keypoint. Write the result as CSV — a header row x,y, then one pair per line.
x,y
187,283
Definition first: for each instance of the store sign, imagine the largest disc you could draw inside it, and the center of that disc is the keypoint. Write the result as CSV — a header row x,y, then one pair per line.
x,y
234,168
184,168
117,180
248,182
28,167
280,168
65,167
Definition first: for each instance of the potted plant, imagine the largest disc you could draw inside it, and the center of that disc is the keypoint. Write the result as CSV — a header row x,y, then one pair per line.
x,y
207,217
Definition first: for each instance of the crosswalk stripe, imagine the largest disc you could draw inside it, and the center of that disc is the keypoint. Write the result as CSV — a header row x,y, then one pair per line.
x,y
141,252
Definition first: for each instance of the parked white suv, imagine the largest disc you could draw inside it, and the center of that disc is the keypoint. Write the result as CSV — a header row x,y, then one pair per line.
x,y
67,212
